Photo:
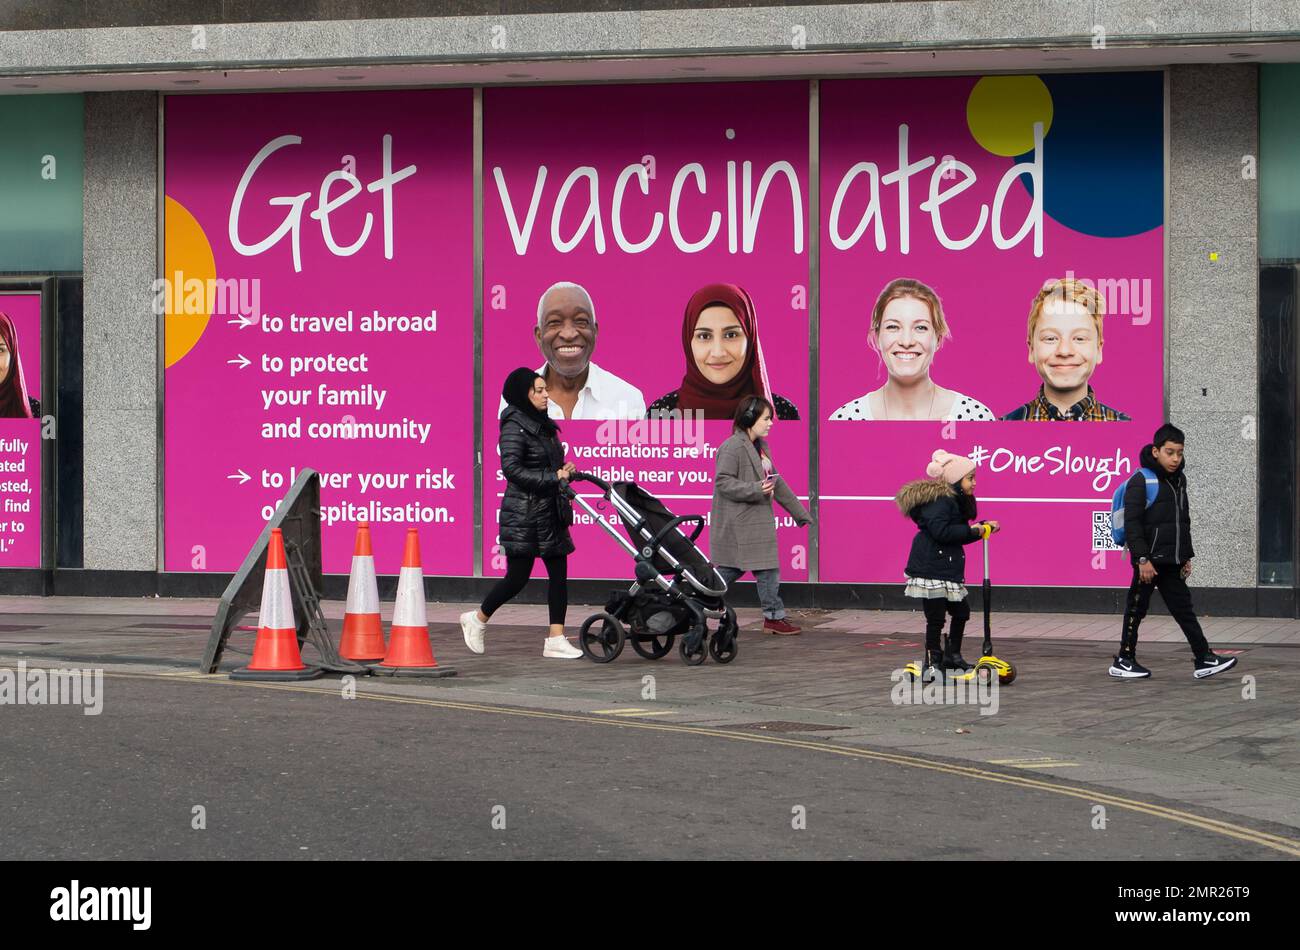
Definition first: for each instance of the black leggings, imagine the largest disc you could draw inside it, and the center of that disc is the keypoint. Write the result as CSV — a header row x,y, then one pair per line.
x,y
518,570
934,608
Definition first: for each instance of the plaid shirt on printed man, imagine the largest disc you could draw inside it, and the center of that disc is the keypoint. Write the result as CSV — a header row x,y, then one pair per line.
x,y
1087,409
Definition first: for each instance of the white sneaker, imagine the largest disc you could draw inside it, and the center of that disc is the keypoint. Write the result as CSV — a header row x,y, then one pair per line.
x,y
560,648
473,629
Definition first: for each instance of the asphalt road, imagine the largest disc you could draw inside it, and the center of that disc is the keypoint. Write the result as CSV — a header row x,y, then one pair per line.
x,y
309,774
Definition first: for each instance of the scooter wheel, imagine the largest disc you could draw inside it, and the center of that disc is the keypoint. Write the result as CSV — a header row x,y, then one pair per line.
x,y
1007,676
603,644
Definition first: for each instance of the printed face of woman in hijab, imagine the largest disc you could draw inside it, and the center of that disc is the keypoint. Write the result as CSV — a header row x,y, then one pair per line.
x,y
4,361
719,344
537,395
907,339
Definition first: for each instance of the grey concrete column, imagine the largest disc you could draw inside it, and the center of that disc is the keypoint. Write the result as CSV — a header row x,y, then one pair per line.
x,y
1213,307
120,348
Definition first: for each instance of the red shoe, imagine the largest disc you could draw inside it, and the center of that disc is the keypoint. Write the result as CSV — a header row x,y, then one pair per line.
x,y
781,628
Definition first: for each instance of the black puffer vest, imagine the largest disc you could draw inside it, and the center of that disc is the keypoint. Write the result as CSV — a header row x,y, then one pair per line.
x,y
534,514
1162,532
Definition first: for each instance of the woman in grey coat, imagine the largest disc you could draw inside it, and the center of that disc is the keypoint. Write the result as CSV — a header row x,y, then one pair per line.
x,y
742,528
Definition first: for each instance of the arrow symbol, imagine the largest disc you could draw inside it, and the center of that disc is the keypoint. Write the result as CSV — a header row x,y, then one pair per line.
x,y
244,321
242,477
242,361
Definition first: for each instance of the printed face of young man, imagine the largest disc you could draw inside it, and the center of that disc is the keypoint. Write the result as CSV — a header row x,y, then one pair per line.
x,y
567,334
1065,349
1170,456
907,338
719,344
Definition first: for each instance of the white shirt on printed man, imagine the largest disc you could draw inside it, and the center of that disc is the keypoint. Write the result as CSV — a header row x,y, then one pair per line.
x,y
604,396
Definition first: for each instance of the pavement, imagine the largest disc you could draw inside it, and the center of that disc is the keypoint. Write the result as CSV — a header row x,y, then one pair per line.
x,y
1214,759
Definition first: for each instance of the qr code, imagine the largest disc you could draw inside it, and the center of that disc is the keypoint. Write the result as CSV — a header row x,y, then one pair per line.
x,y
1101,540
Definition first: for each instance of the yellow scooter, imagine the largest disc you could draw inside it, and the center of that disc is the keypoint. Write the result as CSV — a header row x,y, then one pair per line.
x,y
988,665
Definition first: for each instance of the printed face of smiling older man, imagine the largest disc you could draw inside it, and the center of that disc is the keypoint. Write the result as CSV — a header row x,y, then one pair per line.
x,y
566,330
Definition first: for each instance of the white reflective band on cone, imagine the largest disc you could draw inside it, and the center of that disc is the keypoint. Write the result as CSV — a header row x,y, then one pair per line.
x,y
363,588
409,607
277,604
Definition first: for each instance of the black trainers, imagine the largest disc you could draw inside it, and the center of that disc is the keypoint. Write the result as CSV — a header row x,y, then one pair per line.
x,y
1210,664
1128,668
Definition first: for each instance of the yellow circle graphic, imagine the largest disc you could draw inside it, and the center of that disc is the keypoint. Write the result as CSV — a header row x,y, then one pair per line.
x,y
1002,110
189,271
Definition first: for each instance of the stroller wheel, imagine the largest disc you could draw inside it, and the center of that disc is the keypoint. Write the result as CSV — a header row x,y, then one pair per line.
x,y
696,658
723,644
604,643
723,649
653,648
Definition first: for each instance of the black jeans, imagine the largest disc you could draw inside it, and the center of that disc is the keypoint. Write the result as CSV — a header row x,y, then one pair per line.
x,y
935,608
1177,598
518,570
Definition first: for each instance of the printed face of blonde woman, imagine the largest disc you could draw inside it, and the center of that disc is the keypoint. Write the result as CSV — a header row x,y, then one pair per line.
x,y
4,361
719,344
537,395
1065,348
907,339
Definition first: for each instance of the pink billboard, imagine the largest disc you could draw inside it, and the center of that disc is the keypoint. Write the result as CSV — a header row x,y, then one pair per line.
x,y
953,211
318,291
649,203
20,430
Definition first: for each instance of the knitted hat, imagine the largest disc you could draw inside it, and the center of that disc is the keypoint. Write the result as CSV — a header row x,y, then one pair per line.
x,y
952,468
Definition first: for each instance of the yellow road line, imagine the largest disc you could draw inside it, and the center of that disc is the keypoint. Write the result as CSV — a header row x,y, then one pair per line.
x,y
662,712
1289,846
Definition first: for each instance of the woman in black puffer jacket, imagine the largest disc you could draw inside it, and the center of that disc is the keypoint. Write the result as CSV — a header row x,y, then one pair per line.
x,y
535,514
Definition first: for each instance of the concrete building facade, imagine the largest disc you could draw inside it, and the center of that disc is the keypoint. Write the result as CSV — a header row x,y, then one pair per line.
x,y
106,535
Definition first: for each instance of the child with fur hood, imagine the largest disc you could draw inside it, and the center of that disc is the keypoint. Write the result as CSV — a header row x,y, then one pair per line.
x,y
942,505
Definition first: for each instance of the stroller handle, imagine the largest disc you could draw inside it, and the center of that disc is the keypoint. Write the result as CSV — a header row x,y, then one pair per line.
x,y
588,477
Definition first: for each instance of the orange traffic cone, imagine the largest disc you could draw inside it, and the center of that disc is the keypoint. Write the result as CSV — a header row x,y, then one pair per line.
x,y
275,655
363,631
409,650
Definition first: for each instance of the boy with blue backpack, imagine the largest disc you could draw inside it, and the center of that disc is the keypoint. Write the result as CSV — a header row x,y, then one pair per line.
x,y
1155,523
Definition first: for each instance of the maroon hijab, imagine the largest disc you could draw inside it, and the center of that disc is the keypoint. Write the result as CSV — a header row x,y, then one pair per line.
x,y
719,401
13,388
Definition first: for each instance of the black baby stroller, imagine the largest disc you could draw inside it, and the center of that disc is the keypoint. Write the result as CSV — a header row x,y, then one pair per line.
x,y
676,593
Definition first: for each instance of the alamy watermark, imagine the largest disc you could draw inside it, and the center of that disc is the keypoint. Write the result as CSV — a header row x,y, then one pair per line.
x,y
43,687
670,427
216,296
77,902
1122,296
939,690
